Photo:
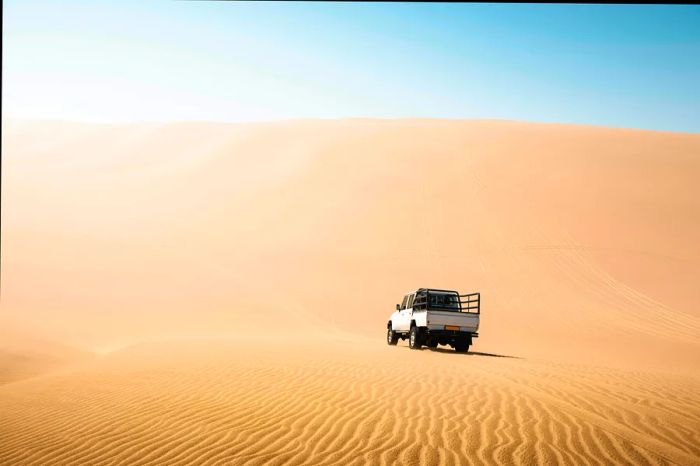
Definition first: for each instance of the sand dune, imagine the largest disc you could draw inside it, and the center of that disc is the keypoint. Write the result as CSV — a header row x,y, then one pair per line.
x,y
290,242
23,355
583,240
344,402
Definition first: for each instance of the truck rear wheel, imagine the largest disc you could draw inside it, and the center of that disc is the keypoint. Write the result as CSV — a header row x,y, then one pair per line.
x,y
391,337
461,347
414,338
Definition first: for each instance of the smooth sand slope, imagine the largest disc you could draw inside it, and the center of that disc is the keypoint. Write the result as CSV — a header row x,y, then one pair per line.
x,y
292,241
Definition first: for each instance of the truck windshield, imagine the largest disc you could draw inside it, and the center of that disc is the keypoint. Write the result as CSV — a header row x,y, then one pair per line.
x,y
443,301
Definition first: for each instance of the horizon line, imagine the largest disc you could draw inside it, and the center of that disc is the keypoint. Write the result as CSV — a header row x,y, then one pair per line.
x,y
9,118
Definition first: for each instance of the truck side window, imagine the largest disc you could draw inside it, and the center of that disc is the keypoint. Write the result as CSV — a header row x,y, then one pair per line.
x,y
419,301
410,301
403,304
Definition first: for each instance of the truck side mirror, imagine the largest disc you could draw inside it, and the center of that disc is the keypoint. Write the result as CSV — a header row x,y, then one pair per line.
x,y
398,307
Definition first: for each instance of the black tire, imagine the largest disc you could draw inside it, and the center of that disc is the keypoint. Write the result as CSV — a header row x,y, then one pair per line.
x,y
392,338
431,344
414,338
462,347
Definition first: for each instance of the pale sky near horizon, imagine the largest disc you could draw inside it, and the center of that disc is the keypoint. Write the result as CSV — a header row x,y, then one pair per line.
x,y
119,61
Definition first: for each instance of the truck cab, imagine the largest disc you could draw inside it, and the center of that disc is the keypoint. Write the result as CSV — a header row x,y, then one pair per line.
x,y
431,317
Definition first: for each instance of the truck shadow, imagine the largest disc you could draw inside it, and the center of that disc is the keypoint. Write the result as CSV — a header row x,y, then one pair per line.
x,y
470,353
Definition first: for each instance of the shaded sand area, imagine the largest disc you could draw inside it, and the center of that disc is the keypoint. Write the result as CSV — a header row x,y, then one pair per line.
x,y
344,401
217,293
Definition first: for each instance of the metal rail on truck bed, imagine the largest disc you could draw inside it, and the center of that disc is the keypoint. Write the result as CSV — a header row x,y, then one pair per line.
x,y
470,302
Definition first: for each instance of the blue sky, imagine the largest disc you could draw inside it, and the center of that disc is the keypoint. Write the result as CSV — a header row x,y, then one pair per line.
x,y
613,65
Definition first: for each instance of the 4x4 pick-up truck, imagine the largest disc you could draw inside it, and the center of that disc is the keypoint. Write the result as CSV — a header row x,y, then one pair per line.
x,y
430,317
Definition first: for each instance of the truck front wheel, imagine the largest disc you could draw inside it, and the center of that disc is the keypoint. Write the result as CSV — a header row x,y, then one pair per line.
x,y
414,338
391,337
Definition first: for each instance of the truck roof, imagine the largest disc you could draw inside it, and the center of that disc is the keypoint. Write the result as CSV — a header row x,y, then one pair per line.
x,y
437,290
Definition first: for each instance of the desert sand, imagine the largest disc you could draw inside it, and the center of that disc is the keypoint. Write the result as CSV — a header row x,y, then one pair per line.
x,y
215,293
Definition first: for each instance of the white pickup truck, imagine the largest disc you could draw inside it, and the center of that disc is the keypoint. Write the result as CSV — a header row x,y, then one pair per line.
x,y
431,317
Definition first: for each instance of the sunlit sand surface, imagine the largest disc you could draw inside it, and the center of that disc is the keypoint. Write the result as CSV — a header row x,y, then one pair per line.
x,y
205,293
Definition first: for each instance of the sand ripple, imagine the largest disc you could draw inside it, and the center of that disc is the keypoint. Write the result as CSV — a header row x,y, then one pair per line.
x,y
216,403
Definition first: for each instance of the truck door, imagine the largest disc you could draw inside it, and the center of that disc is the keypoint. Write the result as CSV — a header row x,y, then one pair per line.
x,y
404,323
